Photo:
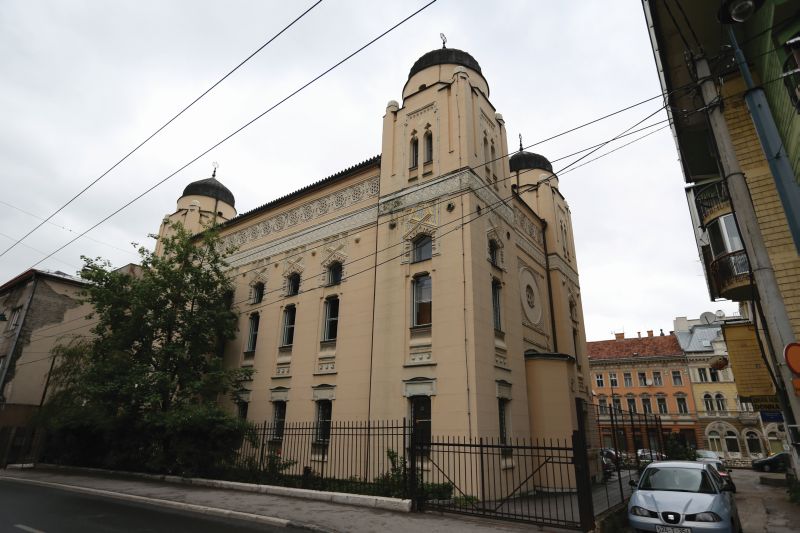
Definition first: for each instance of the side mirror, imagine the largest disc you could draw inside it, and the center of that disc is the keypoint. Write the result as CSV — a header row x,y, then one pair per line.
x,y
726,486
633,482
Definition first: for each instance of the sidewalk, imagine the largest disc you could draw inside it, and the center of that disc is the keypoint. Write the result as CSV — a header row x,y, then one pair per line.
x,y
267,508
764,508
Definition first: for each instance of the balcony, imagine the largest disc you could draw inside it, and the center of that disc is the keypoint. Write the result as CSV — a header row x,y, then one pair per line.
x,y
731,276
712,202
748,418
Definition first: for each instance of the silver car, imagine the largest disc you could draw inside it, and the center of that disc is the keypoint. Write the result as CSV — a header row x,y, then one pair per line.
x,y
682,497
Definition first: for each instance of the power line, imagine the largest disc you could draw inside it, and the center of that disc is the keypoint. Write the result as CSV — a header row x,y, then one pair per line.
x,y
238,130
181,112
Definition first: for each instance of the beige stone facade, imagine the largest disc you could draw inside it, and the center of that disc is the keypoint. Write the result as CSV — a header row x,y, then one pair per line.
x,y
429,282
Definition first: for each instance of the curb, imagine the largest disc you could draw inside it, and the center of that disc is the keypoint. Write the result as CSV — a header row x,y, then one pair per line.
x,y
180,506
359,500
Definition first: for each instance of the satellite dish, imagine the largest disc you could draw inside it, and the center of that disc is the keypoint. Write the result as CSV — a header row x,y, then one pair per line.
x,y
720,314
708,317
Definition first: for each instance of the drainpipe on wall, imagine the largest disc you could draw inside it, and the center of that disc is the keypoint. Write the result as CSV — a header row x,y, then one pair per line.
x,y
7,361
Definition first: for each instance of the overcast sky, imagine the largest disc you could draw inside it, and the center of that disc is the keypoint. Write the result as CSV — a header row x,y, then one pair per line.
x,y
83,82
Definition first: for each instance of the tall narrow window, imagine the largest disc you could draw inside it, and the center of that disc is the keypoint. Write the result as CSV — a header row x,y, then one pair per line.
x,y
617,403
486,158
496,288
720,400
428,147
714,441
421,420
331,319
701,374
628,379
662,405
657,381
289,314
642,376
414,151
241,410
713,373
278,419
612,378
683,407
258,293
677,379
753,442
293,284
423,248
422,300
13,320
598,379
323,422
708,403
731,442
502,411
603,405
252,337
334,273
493,163
494,252
647,407
632,405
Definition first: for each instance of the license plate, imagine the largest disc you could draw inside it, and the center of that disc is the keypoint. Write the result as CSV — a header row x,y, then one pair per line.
x,y
667,529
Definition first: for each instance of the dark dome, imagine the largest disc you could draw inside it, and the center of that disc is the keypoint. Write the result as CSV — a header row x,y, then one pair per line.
x,y
528,160
445,56
212,188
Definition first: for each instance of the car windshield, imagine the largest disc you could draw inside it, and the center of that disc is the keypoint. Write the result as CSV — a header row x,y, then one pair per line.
x,y
676,480
705,454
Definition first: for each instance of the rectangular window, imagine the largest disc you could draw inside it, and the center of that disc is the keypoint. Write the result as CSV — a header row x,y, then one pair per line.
x,y
647,407
632,405
657,381
617,405
331,319
598,379
612,378
642,379
428,147
289,314
13,319
422,301
257,293
323,422
714,374
662,405
676,377
502,408
241,410
414,153
496,305
421,421
628,379
252,338
278,419
701,375
603,406
683,408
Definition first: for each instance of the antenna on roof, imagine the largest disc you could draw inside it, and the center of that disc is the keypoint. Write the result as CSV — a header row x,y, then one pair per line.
x,y
444,40
214,172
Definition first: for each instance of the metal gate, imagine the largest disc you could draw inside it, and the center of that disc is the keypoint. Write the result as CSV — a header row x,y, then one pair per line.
x,y
543,482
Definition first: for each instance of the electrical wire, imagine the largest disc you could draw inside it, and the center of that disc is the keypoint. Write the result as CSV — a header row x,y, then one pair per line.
x,y
181,112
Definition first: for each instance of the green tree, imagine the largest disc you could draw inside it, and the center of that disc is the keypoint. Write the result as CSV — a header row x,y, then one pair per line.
x,y
142,392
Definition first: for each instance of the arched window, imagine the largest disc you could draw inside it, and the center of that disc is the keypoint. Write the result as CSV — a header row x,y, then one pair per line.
x,y
423,248
720,402
496,288
293,284
731,442
486,158
708,403
428,146
258,293
714,441
753,442
289,315
335,273
493,160
494,252
414,153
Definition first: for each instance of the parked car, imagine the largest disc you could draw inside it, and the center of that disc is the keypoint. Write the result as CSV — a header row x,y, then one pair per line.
x,y
711,458
774,463
682,497
650,455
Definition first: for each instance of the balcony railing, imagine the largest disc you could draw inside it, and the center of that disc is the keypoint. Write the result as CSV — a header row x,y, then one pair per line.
x,y
731,275
712,201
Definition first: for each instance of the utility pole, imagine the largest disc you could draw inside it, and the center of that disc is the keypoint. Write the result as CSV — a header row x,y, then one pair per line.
x,y
779,329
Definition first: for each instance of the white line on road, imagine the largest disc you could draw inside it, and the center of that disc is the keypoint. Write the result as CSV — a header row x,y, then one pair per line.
x,y
28,529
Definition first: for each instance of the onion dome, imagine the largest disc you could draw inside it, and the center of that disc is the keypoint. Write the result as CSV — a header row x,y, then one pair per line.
x,y
212,188
528,160
445,56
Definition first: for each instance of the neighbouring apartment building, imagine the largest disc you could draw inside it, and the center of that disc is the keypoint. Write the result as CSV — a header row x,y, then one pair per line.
x,y
644,374
436,281
762,117
38,309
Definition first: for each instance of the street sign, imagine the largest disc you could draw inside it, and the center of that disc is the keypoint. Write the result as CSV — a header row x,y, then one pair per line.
x,y
771,416
763,403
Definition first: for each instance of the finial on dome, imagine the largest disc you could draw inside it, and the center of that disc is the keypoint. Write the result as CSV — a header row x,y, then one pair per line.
x,y
520,142
214,172
444,40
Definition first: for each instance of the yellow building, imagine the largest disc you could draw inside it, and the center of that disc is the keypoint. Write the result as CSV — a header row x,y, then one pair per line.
x,y
436,281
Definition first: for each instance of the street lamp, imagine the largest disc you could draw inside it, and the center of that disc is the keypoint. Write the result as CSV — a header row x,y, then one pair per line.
x,y
733,11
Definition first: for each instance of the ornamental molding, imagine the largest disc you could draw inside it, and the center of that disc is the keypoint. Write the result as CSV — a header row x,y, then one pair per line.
x,y
421,111
344,224
527,228
536,254
330,203
558,263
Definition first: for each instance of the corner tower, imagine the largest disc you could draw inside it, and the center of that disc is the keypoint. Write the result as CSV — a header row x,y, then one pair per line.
x,y
203,203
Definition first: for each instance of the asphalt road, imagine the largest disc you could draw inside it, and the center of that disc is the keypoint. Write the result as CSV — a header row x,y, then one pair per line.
x,y
32,509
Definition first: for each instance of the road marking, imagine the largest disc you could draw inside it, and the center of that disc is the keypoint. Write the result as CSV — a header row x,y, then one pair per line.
x,y
28,529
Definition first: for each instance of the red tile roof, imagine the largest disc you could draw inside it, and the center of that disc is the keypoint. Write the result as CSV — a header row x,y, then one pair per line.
x,y
657,346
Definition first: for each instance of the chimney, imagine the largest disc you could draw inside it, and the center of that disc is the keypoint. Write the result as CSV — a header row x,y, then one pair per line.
x,y
639,333
662,332
649,332
619,336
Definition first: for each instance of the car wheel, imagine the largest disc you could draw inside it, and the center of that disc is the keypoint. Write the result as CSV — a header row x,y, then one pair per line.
x,y
767,468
